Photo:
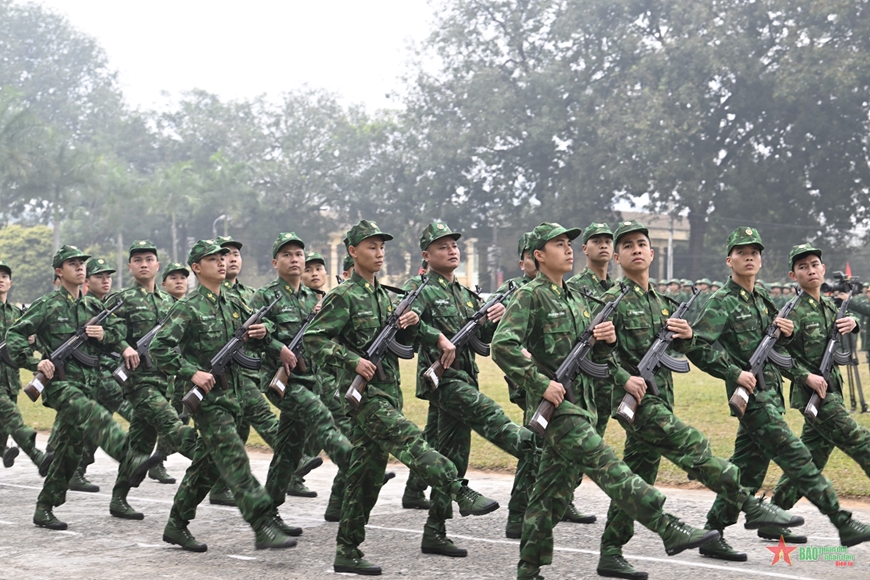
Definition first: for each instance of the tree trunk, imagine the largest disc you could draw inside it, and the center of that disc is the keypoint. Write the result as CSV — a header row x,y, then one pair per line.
x,y
120,260
174,239
697,231
55,219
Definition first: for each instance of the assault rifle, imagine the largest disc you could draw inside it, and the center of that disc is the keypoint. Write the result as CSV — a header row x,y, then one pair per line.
x,y
68,349
385,342
764,352
467,336
122,373
655,358
278,384
232,351
832,355
576,361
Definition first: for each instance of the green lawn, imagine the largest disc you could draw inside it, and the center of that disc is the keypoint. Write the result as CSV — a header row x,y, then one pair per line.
x,y
700,401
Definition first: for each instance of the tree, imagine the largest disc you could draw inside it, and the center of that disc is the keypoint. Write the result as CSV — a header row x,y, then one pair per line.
x,y
28,252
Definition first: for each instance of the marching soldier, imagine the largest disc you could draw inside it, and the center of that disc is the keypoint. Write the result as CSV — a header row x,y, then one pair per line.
x,y
546,318
175,276
737,317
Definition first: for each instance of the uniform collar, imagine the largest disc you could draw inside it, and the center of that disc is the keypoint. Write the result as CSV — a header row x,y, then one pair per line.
x,y
287,287
637,288
545,281
207,294
143,290
66,295
739,290
363,283
435,277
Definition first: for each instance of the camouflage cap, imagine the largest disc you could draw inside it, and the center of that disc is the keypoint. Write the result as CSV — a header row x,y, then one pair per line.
x,y
6,267
717,283
224,241
596,229
628,227
98,266
703,281
523,244
67,253
800,251
283,239
347,264
436,231
673,281
314,257
364,229
743,237
547,231
775,285
142,246
203,248
686,282
173,267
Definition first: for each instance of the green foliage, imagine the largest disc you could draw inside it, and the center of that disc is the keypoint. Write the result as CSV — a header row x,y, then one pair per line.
x,y
28,252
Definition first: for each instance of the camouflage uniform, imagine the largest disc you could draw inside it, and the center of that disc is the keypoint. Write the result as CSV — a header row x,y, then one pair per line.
x,y
301,406
351,317
444,307
198,326
737,319
834,426
53,319
547,319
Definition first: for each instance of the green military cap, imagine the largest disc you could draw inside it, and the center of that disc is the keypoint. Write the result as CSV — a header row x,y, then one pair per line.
x,y
364,229
436,231
142,246
673,281
67,253
98,266
282,240
775,285
627,227
703,281
546,232
653,281
801,251
347,264
203,248
314,257
523,244
224,241
743,237
717,283
6,267
686,282
173,267
596,229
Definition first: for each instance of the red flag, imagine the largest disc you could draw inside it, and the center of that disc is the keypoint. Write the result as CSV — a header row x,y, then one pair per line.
x,y
848,270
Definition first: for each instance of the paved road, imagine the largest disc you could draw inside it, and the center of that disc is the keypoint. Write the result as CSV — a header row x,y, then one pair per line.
x,y
100,546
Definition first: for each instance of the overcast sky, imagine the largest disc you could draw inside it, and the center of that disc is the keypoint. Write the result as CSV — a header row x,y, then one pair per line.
x,y
355,48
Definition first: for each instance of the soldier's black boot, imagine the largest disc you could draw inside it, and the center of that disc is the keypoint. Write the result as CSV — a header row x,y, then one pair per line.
x,y
575,516
176,532
615,566
43,518
45,463
220,494
140,464
526,571
79,483
269,535
414,499
852,532
285,528
297,487
470,502
119,507
352,562
760,514
9,456
160,475
722,550
435,540
774,533
678,536
307,465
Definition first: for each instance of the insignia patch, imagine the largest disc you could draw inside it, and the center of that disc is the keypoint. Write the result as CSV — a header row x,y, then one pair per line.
x,y
748,232
586,313
665,312
440,226
469,304
235,314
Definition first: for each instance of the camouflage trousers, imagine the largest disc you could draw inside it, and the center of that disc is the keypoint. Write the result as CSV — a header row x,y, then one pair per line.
x,y
381,430
153,415
256,412
571,445
461,408
110,395
313,446
220,455
762,437
603,390
657,432
834,427
430,436
12,423
80,421
301,411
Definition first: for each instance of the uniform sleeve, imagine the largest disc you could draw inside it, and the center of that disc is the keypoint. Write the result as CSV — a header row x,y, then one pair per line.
x,y
321,337
860,305
164,348
507,346
619,374
20,350
707,330
273,346
426,333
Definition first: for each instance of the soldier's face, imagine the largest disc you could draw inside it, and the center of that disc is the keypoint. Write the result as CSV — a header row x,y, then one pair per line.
x,y
176,284
314,275
144,266
744,260
663,288
289,262
776,291
704,287
72,271
442,255
599,249
527,265
100,284
5,282
211,268
368,255
634,253
808,272
557,255
233,263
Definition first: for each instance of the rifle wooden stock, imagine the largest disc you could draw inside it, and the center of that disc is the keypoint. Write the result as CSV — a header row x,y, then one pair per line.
x,y
278,384
812,410
353,396
433,374
120,374
738,401
541,419
39,382
627,408
193,399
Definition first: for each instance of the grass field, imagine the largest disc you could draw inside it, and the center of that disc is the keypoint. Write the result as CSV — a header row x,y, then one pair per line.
x,y
700,401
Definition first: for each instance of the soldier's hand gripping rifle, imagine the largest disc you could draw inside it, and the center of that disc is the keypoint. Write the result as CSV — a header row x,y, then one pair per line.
x,y
385,342
467,336
655,358
764,352
232,352
68,349
832,355
122,373
278,384
576,361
